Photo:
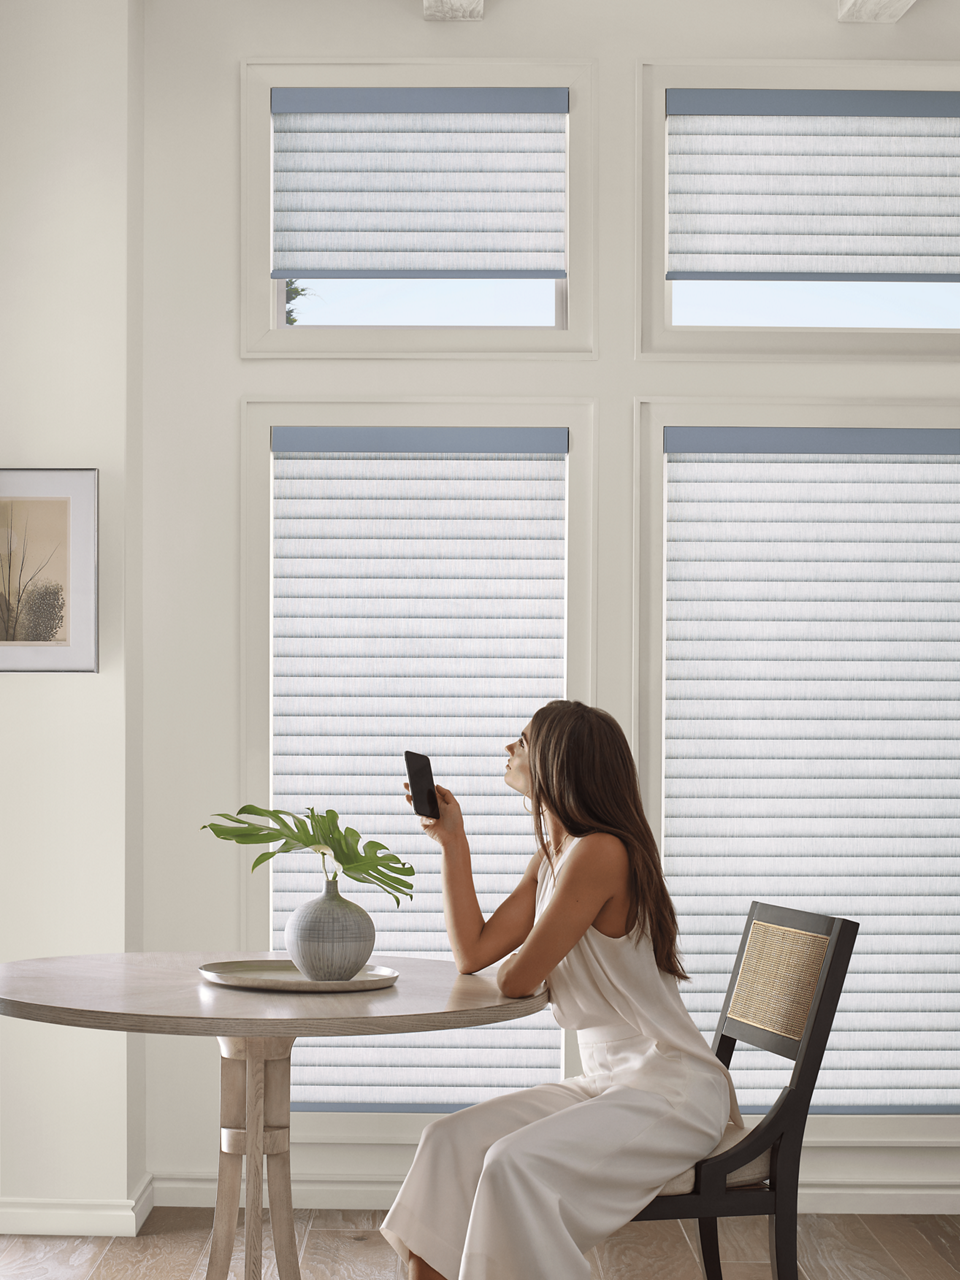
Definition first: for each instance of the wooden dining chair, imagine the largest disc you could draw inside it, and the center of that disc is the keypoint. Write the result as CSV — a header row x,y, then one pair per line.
x,y
782,996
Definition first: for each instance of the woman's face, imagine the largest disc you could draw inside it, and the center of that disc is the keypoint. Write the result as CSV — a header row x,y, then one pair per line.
x,y
517,772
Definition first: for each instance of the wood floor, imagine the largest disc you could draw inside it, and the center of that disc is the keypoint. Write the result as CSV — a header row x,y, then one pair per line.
x,y
345,1245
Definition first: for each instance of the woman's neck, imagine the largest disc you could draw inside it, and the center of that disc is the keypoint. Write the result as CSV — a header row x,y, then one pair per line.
x,y
556,833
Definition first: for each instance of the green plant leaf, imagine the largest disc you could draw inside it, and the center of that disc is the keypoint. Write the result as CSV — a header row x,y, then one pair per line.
x,y
247,833
265,857
276,816
375,864
384,869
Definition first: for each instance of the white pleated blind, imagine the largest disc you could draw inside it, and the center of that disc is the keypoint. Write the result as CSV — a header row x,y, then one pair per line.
x,y
812,745
419,183
418,603
773,185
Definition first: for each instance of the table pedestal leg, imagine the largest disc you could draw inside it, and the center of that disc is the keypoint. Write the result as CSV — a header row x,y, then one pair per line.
x,y
254,1121
276,1116
233,1093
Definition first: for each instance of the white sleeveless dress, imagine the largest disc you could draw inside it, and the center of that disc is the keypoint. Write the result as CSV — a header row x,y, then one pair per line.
x,y
522,1186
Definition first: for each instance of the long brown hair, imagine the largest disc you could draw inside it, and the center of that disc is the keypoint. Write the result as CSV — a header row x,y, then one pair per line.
x,y
582,770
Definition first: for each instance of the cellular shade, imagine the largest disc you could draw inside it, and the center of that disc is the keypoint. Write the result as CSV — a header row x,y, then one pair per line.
x,y
792,185
812,743
419,182
418,602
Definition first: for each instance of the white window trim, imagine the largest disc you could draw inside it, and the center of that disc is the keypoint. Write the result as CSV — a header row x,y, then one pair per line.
x,y
258,416
656,337
261,334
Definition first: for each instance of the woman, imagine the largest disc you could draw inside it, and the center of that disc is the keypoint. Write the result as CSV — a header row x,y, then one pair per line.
x,y
520,1187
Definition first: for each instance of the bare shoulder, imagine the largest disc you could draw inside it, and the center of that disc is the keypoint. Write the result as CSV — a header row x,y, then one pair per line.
x,y
600,855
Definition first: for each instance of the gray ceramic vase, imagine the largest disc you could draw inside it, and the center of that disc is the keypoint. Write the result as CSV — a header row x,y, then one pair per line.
x,y
329,939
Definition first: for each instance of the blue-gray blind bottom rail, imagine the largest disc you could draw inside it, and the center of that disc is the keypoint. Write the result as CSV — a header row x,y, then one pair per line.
x,y
418,602
812,745
381,183
796,185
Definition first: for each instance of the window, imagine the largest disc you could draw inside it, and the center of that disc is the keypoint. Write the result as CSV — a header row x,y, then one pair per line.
x,y
453,218
812,737
420,206
756,189
806,304
830,208
419,589
419,302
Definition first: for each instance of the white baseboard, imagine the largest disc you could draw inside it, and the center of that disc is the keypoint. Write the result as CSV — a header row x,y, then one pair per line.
x,y
143,1201
23,1216
28,1216
879,1197
374,1193
308,1193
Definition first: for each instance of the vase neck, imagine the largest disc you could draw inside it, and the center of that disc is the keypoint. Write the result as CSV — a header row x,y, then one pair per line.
x,y
331,889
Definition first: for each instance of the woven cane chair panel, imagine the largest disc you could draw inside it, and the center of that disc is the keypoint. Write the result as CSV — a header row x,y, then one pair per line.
x,y
778,978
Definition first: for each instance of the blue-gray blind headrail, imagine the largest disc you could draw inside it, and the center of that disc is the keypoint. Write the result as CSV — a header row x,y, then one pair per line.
x,y
812,732
419,183
419,584
768,184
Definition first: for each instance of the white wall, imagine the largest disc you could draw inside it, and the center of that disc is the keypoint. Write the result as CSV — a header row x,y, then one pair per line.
x,y
67,157
74,743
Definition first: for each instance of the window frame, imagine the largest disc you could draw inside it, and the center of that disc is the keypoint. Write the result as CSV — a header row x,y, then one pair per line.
x,y
656,336
882,1135
258,417
262,334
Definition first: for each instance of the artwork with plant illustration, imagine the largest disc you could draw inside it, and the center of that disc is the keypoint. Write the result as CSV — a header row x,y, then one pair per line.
x,y
35,571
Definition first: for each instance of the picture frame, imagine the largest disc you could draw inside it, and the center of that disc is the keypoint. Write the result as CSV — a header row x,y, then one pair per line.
x,y
48,569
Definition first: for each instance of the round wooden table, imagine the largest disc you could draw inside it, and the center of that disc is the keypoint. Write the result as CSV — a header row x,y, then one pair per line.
x,y
163,993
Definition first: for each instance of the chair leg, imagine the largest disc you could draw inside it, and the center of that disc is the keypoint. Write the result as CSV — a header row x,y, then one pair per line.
x,y
783,1240
710,1248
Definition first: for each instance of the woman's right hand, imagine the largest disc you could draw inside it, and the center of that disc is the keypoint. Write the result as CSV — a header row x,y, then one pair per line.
x,y
447,830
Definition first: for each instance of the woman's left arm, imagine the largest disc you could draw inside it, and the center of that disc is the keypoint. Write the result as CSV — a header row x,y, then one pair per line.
x,y
594,871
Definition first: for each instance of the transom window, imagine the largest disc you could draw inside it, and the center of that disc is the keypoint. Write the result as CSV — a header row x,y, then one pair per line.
x,y
814,208
420,207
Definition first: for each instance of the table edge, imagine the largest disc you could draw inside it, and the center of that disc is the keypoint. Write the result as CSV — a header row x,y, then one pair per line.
x,y
382,1024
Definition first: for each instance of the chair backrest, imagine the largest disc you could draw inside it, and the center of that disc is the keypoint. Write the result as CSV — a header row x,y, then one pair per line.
x,y
785,986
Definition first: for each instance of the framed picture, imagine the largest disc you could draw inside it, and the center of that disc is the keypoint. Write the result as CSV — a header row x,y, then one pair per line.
x,y
48,569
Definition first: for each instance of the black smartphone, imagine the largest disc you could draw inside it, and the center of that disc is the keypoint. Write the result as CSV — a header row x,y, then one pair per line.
x,y
422,790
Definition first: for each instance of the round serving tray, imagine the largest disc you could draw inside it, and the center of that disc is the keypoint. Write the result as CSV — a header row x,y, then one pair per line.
x,y
283,975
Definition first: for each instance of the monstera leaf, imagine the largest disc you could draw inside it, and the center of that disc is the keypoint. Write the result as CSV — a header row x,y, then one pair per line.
x,y
320,833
